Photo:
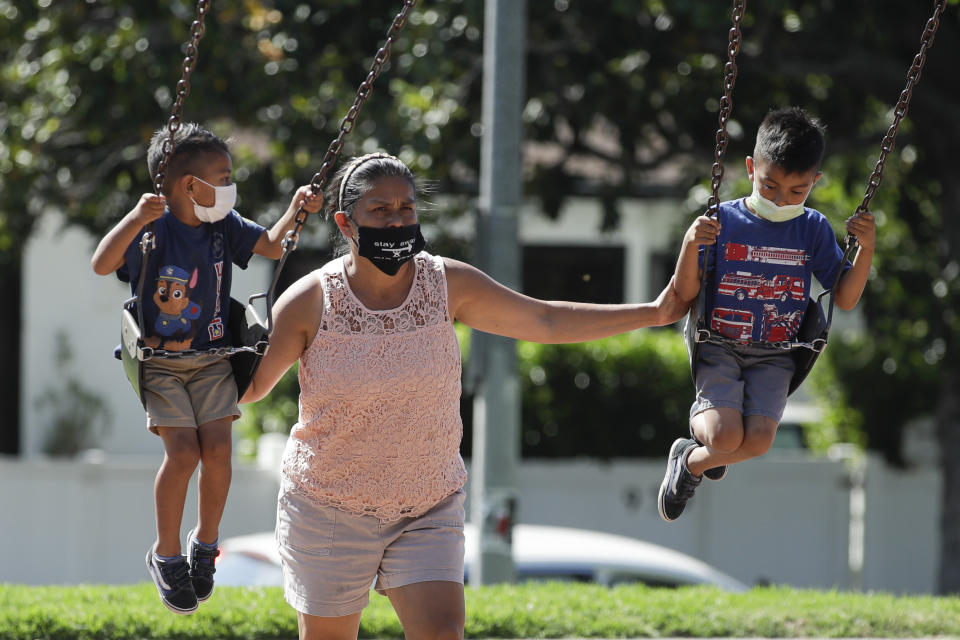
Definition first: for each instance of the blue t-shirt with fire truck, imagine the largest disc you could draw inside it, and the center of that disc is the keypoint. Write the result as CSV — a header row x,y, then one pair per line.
x,y
760,272
186,294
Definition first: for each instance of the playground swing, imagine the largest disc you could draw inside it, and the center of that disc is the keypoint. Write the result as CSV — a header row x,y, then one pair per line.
x,y
811,337
249,333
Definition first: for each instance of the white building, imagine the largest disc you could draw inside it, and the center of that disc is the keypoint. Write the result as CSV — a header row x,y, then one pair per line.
x,y
791,520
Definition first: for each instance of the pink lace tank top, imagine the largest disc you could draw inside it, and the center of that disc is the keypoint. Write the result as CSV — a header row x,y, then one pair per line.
x,y
379,428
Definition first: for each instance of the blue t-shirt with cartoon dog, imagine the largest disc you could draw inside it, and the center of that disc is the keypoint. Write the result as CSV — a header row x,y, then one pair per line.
x,y
186,293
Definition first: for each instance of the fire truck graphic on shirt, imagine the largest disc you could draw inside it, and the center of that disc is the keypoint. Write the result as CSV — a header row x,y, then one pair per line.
x,y
737,324
743,284
735,252
777,327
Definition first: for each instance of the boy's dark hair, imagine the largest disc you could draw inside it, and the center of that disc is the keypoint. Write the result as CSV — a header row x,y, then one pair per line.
x,y
790,139
190,143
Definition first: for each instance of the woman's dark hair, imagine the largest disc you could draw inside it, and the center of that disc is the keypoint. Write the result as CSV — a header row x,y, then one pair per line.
x,y
790,139
191,143
355,178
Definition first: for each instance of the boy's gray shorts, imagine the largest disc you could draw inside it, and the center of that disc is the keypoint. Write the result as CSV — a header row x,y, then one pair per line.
x,y
752,380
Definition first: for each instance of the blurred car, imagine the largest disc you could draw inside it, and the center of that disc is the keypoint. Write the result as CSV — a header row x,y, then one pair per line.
x,y
539,552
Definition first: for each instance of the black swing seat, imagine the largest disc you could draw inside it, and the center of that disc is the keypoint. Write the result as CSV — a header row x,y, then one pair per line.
x,y
249,336
805,348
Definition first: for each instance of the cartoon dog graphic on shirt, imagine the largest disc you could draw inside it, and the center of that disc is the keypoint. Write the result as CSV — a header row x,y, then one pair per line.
x,y
174,329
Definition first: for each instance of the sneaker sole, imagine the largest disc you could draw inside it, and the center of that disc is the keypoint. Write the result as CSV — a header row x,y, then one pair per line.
x,y
190,536
666,480
176,610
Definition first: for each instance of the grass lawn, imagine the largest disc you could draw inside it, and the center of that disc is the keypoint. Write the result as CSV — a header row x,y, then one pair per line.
x,y
536,610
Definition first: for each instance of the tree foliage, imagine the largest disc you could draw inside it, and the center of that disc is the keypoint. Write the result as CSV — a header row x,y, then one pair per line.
x,y
621,102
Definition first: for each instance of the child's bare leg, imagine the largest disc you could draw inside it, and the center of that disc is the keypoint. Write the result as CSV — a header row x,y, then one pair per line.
x,y
756,434
181,455
216,450
759,436
719,428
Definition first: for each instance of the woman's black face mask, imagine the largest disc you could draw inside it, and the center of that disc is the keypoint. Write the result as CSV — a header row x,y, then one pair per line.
x,y
389,248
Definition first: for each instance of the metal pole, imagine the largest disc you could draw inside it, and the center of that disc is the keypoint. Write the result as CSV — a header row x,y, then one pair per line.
x,y
496,408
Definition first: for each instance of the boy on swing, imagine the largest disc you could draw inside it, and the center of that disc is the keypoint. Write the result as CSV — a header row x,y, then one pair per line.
x,y
767,247
191,402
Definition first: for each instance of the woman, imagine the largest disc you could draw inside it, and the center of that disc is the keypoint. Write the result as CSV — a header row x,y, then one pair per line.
x,y
372,475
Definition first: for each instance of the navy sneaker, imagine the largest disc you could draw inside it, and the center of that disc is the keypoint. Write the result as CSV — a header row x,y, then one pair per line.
x,y
173,583
202,566
678,484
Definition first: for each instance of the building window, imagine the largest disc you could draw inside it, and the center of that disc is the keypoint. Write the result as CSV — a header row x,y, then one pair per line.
x,y
574,272
662,265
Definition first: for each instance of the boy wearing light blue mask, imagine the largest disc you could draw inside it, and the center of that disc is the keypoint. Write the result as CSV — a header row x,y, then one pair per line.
x,y
768,246
191,402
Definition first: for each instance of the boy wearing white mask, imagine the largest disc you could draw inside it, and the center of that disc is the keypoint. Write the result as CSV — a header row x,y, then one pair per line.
x,y
191,402
767,247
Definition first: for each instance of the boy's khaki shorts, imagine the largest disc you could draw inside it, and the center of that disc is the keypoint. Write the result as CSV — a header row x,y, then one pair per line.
x,y
189,392
331,557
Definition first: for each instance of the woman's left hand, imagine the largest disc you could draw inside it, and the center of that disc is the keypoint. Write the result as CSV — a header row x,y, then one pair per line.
x,y
669,305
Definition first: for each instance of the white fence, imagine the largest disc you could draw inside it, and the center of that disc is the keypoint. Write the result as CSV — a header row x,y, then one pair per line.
x,y
784,520
781,520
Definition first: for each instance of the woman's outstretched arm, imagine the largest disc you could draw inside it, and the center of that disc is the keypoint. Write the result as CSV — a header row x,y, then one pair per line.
x,y
482,303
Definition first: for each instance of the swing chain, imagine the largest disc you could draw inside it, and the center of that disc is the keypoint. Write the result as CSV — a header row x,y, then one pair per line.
x,y
346,125
713,204
148,240
913,77
182,91
726,106
291,238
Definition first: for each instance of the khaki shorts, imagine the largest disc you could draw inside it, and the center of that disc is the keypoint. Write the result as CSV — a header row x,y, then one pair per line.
x,y
331,557
189,392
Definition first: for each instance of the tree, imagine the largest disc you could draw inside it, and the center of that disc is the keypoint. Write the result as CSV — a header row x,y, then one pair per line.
x,y
85,83
622,101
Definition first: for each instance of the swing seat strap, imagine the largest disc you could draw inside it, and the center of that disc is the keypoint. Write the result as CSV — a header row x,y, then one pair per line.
x,y
705,335
149,353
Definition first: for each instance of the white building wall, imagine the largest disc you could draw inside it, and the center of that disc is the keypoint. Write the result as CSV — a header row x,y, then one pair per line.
x,y
902,529
775,519
71,522
645,228
781,520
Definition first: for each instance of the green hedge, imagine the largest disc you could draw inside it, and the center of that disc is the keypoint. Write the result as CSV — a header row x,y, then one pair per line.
x,y
625,396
